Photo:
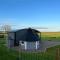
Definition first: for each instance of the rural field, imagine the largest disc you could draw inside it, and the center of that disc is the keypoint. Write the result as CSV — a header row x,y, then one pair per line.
x,y
50,35
7,54
50,54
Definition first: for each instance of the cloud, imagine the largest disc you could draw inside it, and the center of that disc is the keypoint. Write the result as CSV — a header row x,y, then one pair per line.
x,y
57,29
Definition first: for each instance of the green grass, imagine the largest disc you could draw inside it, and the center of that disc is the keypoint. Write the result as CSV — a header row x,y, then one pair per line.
x,y
37,56
50,54
50,36
10,54
7,54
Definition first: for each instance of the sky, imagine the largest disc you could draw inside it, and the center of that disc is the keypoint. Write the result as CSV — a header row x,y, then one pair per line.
x,y
30,13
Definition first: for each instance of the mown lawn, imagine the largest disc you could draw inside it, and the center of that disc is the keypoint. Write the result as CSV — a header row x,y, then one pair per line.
x,y
7,54
50,54
50,35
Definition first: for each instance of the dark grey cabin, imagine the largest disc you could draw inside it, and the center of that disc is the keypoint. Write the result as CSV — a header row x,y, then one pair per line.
x,y
25,38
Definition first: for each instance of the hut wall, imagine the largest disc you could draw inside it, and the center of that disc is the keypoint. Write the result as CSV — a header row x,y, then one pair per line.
x,y
31,45
11,40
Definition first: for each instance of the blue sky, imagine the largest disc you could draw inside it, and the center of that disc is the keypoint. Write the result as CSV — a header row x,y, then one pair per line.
x,y
39,13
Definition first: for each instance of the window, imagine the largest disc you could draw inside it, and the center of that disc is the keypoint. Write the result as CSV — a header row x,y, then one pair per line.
x,y
22,42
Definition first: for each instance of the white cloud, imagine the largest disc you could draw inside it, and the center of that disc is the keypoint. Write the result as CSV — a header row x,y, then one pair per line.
x,y
50,30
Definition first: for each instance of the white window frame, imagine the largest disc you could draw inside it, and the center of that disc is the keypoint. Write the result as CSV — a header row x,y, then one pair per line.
x,y
21,42
25,45
37,44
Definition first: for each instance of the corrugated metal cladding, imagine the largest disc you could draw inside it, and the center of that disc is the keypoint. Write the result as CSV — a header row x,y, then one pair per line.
x,y
22,35
11,39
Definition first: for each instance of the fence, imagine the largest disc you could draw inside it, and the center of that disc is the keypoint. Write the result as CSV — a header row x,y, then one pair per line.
x,y
50,54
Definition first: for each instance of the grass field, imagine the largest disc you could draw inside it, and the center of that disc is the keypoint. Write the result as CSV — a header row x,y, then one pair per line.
x,y
50,35
7,54
50,54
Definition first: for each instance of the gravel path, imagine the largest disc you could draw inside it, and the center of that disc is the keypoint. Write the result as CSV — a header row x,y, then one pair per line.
x,y
48,44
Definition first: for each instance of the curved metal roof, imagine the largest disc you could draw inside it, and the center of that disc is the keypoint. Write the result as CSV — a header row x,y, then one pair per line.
x,y
27,35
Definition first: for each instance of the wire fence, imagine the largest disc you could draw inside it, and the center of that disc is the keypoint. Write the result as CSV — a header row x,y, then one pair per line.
x,y
49,54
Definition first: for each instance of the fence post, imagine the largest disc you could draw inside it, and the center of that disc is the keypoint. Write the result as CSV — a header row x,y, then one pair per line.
x,y
57,54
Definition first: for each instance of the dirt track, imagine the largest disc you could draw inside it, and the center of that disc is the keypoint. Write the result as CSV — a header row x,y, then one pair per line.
x,y
48,44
